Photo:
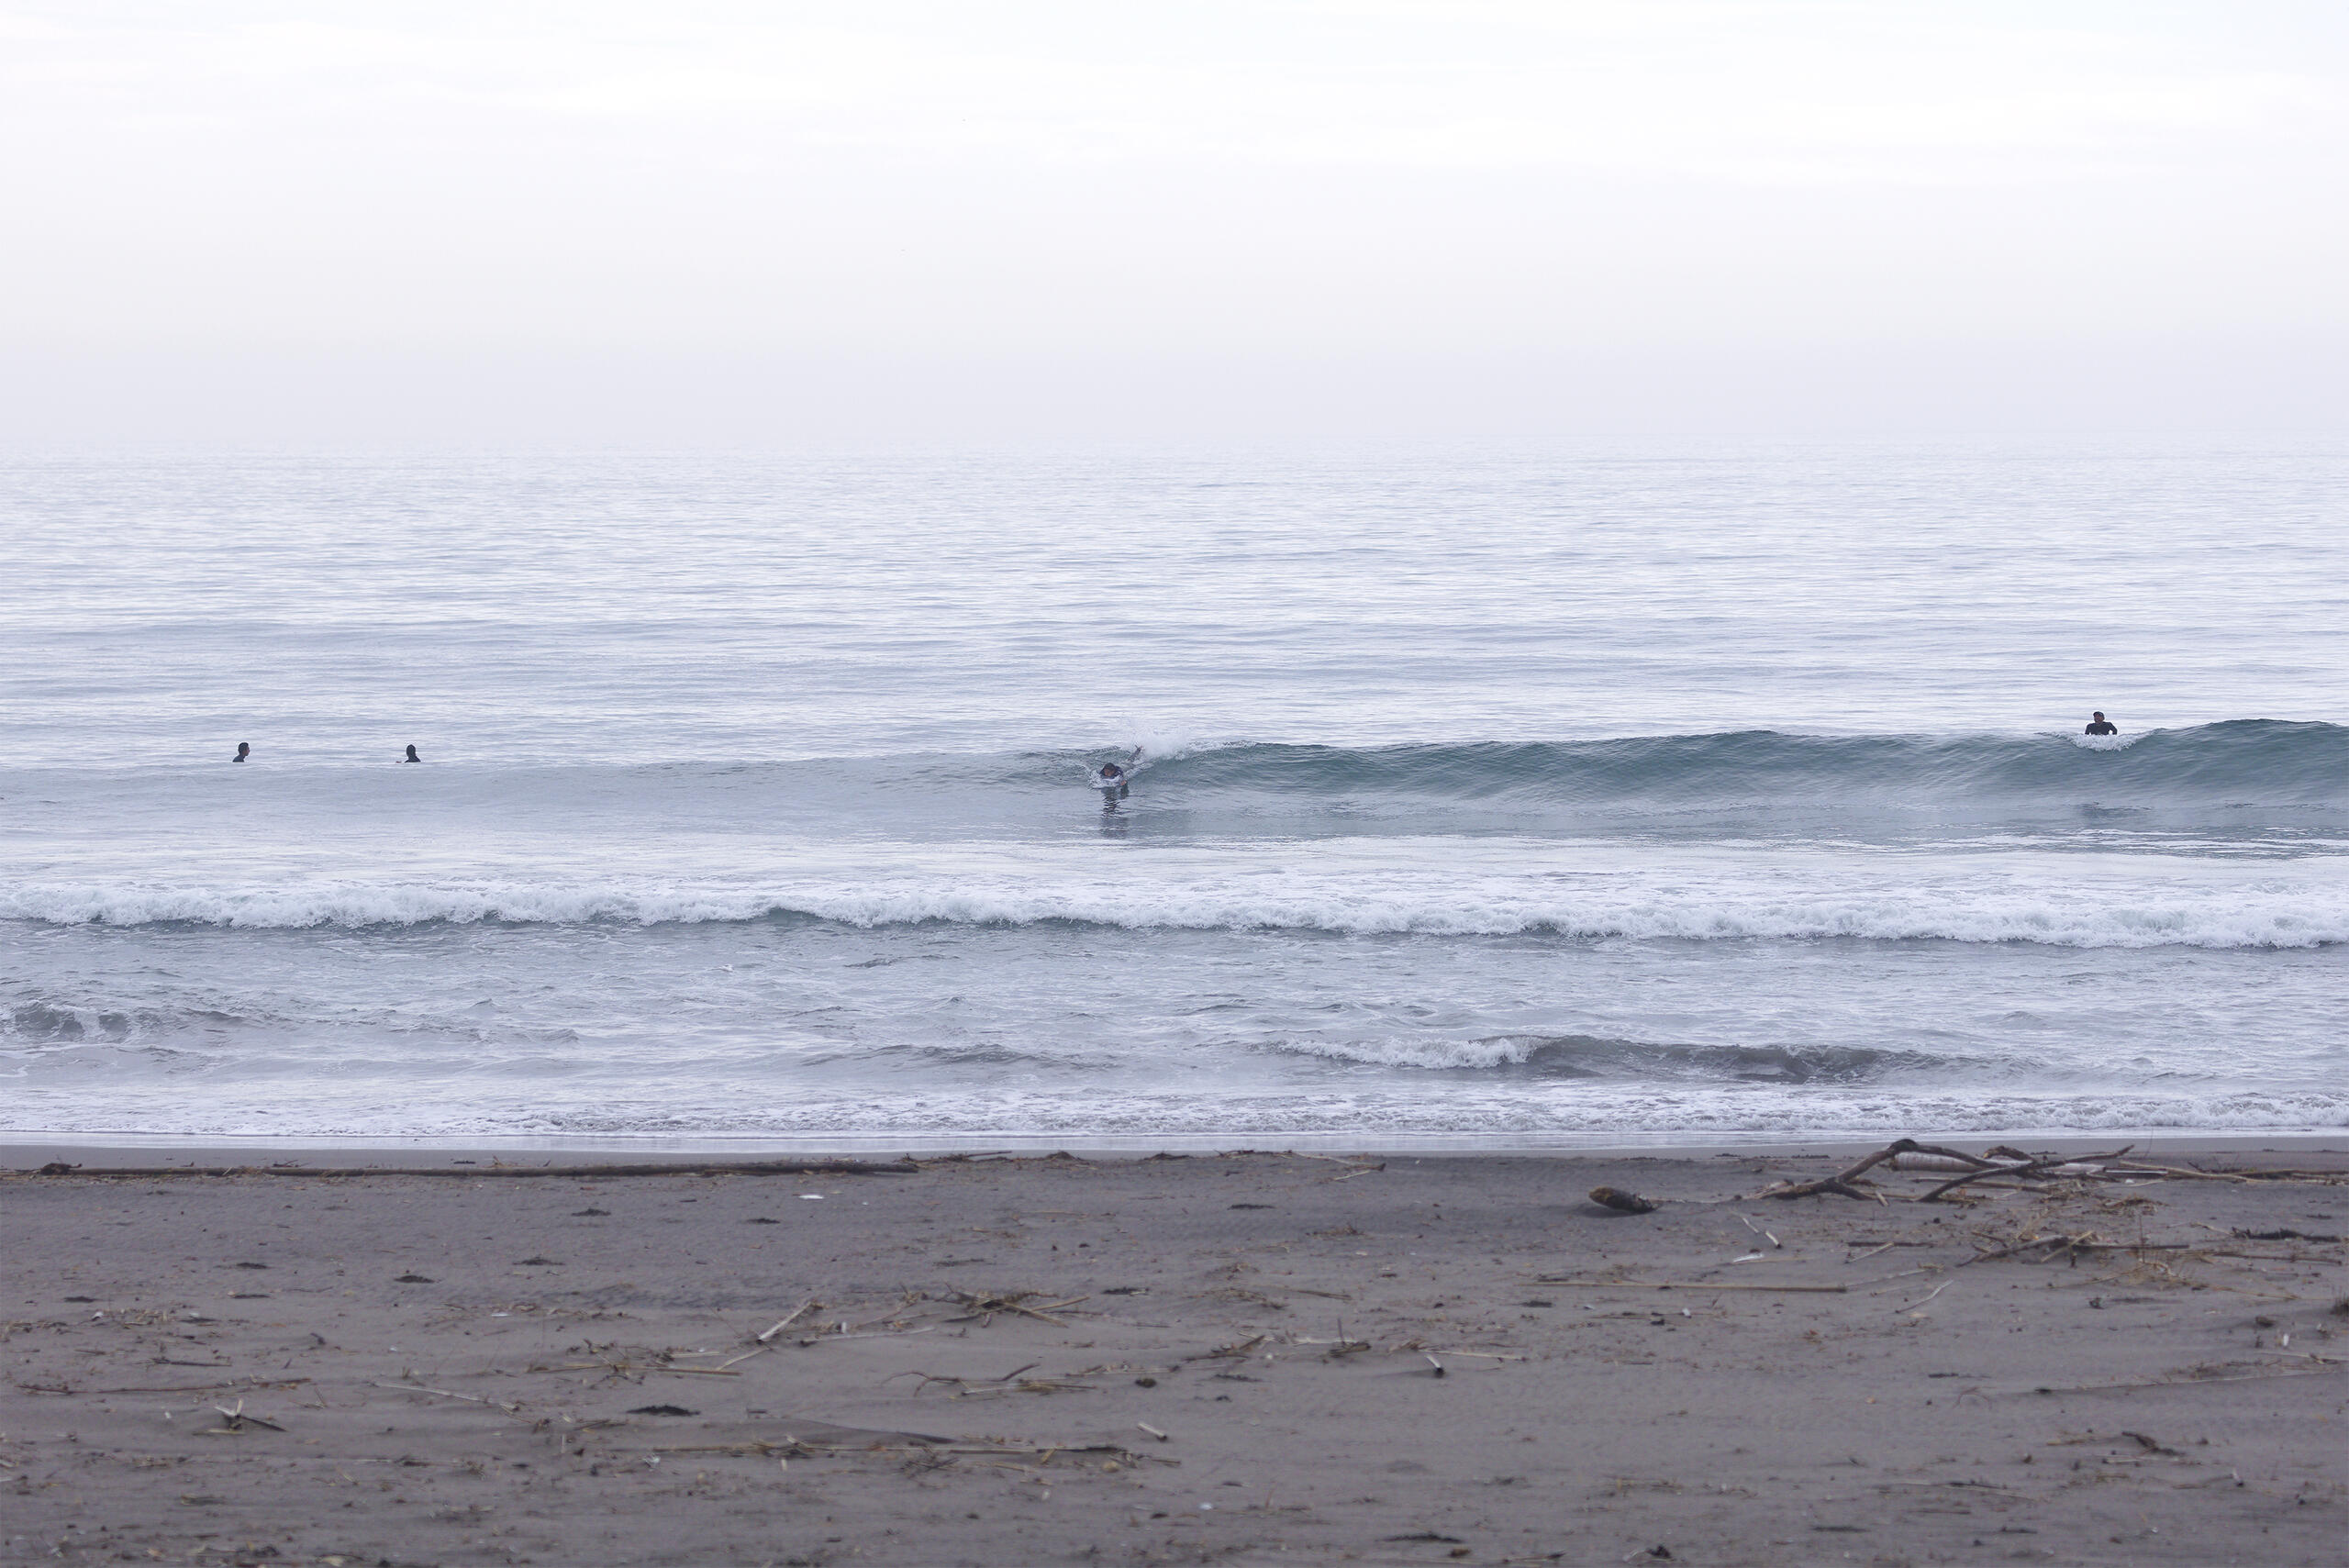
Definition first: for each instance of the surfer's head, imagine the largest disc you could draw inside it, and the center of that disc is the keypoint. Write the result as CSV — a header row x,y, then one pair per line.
x,y
244,749
411,756
2097,716
1111,770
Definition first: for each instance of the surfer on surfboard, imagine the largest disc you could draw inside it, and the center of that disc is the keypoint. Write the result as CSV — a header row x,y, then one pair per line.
x,y
1114,779
2100,725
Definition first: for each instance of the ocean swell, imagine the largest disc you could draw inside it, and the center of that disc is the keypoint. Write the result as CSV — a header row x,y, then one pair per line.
x,y
2246,762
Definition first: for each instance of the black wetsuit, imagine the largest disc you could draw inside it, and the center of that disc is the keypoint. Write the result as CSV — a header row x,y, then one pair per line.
x,y
2103,726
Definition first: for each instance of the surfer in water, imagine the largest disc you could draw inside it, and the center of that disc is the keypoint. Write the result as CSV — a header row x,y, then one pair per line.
x,y
2100,725
1115,779
411,756
244,749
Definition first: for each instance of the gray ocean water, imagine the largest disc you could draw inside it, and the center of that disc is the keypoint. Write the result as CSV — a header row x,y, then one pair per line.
x,y
1592,790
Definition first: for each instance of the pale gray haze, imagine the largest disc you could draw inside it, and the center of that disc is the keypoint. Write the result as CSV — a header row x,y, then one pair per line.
x,y
692,221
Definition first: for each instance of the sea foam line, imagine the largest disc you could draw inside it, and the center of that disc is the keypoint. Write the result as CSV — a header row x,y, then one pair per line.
x,y
2285,913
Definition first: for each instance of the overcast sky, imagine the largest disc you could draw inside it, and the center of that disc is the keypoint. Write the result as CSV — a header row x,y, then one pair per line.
x,y
618,221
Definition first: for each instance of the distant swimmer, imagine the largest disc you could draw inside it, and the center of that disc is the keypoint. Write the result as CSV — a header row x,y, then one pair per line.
x,y
2100,725
411,756
244,749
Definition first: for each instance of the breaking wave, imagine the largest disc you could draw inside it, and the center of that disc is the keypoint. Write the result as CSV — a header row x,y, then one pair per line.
x,y
2275,912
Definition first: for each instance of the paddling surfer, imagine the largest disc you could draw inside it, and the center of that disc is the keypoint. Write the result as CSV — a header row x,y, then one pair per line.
x,y
2100,725
244,749
411,756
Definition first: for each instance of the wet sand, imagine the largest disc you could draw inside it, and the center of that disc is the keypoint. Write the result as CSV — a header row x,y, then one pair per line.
x,y
1238,1359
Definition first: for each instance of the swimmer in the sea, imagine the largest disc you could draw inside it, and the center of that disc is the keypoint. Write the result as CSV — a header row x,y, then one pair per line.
x,y
2100,725
244,749
411,756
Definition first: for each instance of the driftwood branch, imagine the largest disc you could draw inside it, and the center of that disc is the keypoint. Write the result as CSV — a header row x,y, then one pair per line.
x,y
2035,1168
1841,1182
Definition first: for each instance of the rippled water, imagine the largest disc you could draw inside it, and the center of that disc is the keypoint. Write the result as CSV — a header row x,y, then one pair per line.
x,y
1589,791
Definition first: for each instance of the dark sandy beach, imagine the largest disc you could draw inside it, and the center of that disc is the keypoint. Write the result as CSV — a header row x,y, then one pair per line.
x,y
1240,1359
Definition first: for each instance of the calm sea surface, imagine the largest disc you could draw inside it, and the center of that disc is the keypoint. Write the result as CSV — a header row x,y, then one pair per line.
x,y
1588,792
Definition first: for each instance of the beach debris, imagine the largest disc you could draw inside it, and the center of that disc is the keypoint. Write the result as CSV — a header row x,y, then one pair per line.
x,y
1010,1383
234,1420
2016,1169
447,1394
789,1318
663,1410
1841,1182
1433,1362
983,1305
1686,1284
2280,1236
1226,1352
1153,1431
1622,1202
2090,1165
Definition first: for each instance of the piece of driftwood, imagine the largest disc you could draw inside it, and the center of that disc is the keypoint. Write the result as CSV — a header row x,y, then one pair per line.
x,y
1622,1202
1841,1182
2035,1167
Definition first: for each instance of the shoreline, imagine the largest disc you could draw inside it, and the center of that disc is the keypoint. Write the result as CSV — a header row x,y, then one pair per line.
x,y
22,1151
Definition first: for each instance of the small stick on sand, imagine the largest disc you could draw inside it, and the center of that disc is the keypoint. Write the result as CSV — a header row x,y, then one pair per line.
x,y
1153,1431
1685,1284
448,1393
787,1322
1221,1352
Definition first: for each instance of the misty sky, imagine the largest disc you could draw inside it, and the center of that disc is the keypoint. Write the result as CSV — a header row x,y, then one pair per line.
x,y
759,221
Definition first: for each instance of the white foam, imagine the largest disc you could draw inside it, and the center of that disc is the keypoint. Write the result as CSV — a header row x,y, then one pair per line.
x,y
370,1107
2305,907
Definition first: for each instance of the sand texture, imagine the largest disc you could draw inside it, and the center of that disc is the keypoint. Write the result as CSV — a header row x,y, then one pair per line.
x,y
1243,1359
